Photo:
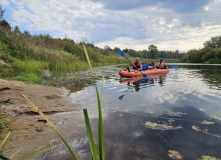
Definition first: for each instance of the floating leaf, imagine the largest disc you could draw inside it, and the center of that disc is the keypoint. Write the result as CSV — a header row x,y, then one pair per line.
x,y
151,124
219,115
157,126
174,154
164,126
196,128
208,158
207,122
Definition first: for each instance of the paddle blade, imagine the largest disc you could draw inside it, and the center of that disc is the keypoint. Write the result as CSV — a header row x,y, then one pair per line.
x,y
144,75
174,66
121,53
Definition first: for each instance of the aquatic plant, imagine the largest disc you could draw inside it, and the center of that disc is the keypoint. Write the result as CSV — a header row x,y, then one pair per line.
x,y
94,151
208,158
174,154
151,124
207,122
204,131
196,128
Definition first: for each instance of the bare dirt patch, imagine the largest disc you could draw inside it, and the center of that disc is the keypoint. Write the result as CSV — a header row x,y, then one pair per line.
x,y
28,128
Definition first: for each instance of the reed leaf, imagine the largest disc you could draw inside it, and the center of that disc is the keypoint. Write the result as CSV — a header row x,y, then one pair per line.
x,y
90,135
102,85
42,114
16,152
40,152
100,122
33,151
3,142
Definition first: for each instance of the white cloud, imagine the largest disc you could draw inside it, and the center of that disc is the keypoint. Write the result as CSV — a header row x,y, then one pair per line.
x,y
136,28
4,2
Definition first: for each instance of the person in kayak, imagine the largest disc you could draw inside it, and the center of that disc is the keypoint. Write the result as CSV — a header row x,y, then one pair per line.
x,y
161,64
137,64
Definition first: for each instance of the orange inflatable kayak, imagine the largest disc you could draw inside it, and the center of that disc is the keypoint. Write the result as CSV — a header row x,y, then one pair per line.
x,y
138,73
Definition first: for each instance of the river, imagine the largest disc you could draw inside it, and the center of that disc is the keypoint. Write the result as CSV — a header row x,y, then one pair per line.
x,y
169,115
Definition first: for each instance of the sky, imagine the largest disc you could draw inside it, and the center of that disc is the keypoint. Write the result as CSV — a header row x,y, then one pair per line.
x,y
133,24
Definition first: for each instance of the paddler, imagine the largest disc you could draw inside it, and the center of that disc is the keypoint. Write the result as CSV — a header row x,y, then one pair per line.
x,y
161,64
137,65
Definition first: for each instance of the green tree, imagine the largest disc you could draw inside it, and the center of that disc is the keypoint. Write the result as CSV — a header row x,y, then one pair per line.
x,y
153,51
116,49
125,50
16,30
1,12
208,55
106,47
218,53
27,33
215,42
3,22
145,53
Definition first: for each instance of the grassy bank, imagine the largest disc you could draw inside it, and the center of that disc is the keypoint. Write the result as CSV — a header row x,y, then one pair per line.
x,y
29,56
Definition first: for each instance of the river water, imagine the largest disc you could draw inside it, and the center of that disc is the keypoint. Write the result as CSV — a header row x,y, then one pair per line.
x,y
158,117
178,102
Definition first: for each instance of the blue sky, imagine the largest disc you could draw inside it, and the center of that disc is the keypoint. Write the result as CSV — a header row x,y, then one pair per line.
x,y
134,24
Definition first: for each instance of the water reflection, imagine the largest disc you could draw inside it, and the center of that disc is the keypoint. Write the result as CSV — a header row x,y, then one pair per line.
x,y
140,82
210,74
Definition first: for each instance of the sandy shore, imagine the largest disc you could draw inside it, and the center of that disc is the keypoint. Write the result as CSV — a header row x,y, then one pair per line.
x,y
28,128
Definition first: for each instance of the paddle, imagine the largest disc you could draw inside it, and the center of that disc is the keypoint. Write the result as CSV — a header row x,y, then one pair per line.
x,y
173,66
122,54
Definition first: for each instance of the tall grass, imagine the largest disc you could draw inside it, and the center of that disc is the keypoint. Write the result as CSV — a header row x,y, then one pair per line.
x,y
29,154
94,152
31,54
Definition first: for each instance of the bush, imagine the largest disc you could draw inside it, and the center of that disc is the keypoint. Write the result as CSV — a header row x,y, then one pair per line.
x,y
30,67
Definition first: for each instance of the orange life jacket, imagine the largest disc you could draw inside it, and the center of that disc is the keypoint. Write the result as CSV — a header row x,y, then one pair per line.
x,y
137,64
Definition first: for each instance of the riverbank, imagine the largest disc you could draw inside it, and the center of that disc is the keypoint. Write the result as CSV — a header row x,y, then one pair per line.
x,y
29,130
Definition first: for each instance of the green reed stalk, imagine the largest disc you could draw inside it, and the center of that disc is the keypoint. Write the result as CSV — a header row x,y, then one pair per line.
x,y
100,121
45,150
3,142
16,152
33,151
94,150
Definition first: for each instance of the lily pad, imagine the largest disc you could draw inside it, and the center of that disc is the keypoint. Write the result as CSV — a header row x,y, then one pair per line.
x,y
174,154
207,122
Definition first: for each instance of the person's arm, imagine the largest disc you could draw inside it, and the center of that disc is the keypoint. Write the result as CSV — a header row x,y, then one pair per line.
x,y
132,64
163,64
140,66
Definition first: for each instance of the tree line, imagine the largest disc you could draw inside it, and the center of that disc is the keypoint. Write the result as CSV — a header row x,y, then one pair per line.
x,y
210,53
